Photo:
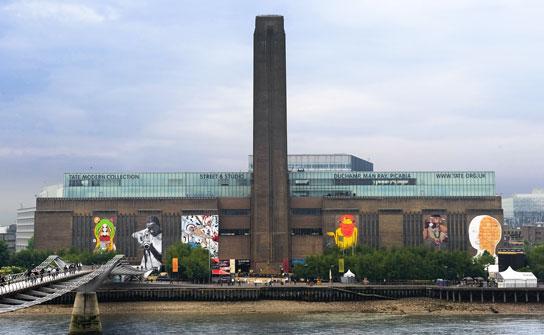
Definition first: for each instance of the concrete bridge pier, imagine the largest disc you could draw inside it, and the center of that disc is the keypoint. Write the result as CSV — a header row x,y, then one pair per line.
x,y
85,315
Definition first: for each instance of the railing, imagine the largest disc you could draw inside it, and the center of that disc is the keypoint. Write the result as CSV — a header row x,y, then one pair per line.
x,y
23,277
27,282
69,285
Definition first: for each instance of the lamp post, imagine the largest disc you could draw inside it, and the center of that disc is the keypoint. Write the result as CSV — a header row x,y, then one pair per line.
x,y
330,274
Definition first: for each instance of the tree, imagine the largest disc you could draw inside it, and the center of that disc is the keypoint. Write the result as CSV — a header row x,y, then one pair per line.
x,y
4,254
418,263
180,251
194,263
535,260
73,255
29,258
198,265
30,243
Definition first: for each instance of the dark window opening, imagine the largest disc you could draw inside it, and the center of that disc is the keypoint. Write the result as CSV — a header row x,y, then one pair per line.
x,y
234,232
235,212
307,232
306,211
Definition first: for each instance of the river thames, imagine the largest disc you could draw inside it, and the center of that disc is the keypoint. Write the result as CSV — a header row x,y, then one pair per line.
x,y
319,323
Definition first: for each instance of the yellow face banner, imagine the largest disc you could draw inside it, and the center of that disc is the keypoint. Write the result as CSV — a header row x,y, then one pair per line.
x,y
175,265
346,233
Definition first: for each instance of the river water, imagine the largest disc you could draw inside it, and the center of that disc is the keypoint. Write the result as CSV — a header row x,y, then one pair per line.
x,y
321,323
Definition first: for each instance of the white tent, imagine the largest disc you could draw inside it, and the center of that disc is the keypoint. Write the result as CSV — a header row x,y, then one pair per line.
x,y
512,278
348,277
349,274
493,270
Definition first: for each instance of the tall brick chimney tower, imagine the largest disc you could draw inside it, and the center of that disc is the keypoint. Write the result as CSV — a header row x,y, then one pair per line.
x,y
270,238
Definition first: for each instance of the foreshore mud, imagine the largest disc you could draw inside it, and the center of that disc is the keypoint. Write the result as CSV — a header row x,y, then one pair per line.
x,y
408,306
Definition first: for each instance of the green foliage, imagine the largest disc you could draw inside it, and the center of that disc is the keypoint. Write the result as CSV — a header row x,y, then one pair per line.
x,y
6,270
30,243
194,263
198,265
535,260
181,251
4,254
28,258
396,264
85,257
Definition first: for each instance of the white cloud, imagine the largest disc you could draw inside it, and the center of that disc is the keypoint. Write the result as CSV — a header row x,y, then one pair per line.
x,y
61,11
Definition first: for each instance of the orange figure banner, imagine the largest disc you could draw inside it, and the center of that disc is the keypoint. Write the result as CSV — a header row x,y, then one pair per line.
x,y
346,233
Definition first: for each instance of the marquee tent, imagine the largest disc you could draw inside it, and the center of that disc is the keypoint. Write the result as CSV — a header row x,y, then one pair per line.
x,y
512,278
348,277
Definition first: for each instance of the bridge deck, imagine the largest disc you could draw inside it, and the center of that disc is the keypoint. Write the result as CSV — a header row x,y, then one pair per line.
x,y
30,292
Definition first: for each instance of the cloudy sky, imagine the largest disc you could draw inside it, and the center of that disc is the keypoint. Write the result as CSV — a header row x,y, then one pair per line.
x,y
129,85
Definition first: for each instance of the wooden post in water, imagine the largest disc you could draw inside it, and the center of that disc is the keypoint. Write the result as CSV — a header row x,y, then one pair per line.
x,y
85,315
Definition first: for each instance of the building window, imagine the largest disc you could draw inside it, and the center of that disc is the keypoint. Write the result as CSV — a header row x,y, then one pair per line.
x,y
306,211
235,212
234,232
307,232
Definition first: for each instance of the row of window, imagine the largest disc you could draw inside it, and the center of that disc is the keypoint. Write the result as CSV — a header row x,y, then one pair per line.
x,y
306,211
247,212
234,232
235,212
294,232
307,232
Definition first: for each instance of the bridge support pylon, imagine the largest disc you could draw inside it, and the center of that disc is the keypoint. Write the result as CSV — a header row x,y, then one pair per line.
x,y
85,315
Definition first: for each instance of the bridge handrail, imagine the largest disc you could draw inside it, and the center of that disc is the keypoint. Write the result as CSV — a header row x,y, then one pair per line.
x,y
73,284
23,276
22,284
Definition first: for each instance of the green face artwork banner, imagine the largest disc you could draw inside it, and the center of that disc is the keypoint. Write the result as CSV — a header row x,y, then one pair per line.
x,y
104,234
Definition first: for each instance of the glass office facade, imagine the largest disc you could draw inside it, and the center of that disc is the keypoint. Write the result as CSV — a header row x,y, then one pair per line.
x,y
528,208
302,184
392,184
157,185
325,162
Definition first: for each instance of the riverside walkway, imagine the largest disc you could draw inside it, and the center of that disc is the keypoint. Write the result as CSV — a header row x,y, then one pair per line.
x,y
125,292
